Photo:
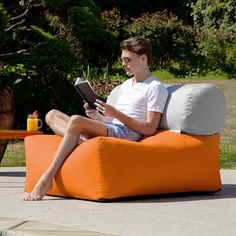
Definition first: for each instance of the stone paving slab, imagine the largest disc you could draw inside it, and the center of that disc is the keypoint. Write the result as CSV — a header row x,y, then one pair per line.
x,y
16,227
7,223
212,214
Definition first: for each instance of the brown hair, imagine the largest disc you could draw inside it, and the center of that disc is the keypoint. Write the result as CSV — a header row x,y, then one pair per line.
x,y
139,46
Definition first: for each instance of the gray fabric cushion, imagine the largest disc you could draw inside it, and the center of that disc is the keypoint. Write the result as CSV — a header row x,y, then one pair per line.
x,y
192,108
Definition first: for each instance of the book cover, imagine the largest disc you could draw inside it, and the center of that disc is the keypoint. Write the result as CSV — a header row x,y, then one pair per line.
x,y
86,92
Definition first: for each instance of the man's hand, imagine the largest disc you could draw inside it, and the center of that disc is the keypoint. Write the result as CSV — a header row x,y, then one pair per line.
x,y
147,127
91,113
105,109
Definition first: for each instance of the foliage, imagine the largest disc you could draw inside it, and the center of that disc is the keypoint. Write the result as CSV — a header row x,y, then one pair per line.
x,y
172,41
48,88
62,5
215,21
47,43
77,22
215,14
3,25
83,28
99,45
43,83
53,58
40,60
134,8
115,22
55,4
40,34
11,75
219,50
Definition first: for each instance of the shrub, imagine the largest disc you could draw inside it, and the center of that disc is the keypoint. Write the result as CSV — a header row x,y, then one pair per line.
x,y
53,58
215,14
10,75
3,25
230,65
215,21
115,22
98,43
172,41
43,84
133,8
81,25
61,5
218,48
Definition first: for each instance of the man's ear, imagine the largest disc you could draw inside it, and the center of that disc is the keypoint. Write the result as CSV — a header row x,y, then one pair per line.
x,y
144,58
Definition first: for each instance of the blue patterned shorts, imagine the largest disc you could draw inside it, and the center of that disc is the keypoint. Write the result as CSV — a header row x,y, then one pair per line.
x,y
122,131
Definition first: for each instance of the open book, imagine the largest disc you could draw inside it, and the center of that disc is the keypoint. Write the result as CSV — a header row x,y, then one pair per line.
x,y
86,92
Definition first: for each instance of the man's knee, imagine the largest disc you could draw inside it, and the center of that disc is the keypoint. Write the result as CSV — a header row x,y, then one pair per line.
x,y
77,122
76,119
50,116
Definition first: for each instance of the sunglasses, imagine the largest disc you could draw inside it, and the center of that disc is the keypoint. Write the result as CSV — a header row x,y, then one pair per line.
x,y
126,60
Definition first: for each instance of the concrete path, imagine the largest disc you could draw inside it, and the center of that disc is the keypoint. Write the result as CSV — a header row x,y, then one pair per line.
x,y
178,215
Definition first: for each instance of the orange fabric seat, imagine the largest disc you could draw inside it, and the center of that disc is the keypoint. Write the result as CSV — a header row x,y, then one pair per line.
x,y
110,168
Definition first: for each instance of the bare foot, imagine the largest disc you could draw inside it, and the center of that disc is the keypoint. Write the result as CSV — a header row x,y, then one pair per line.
x,y
40,190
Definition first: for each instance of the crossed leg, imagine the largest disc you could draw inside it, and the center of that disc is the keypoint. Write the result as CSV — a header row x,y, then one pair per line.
x,y
57,121
70,128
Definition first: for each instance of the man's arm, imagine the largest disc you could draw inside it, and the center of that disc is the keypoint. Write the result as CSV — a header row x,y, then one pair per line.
x,y
147,127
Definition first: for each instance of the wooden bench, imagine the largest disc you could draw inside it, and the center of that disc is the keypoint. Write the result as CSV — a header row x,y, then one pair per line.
x,y
13,134
17,134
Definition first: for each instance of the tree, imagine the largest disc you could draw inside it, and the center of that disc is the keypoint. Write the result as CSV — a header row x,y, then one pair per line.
x,y
77,22
134,8
215,21
173,43
3,25
215,14
41,40
20,35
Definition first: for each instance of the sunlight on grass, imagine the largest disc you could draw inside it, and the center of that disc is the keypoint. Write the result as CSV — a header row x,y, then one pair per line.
x,y
166,75
14,155
228,155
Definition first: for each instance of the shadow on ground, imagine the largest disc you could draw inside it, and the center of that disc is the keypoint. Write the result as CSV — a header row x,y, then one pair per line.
x,y
13,174
228,191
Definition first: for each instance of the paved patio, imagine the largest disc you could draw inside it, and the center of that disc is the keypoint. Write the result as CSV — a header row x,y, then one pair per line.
x,y
201,214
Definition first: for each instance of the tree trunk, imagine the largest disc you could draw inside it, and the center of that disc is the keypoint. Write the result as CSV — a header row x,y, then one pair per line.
x,y
6,114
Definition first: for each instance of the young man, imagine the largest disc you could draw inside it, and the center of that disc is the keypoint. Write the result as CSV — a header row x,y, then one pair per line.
x,y
137,112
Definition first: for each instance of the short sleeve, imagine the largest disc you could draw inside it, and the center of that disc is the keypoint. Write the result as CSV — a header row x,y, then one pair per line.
x,y
156,98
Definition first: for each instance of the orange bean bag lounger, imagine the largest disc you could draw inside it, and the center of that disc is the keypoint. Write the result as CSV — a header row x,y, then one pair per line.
x,y
110,168
105,168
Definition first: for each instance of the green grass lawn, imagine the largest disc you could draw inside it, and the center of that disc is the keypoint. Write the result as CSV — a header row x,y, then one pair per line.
x,y
14,155
228,155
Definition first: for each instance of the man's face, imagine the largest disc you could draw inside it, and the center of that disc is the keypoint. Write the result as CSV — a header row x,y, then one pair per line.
x,y
132,62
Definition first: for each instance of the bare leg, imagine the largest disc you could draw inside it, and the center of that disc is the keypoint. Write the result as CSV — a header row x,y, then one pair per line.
x,y
57,121
76,126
